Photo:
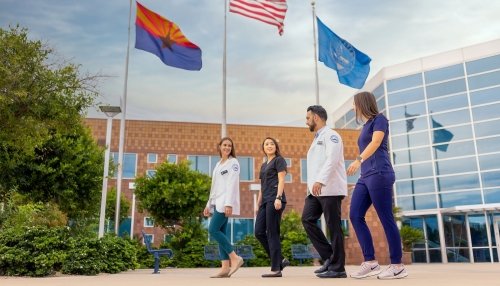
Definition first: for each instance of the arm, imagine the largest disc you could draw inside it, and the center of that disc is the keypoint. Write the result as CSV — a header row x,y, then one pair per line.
x,y
259,202
377,138
233,186
206,211
281,189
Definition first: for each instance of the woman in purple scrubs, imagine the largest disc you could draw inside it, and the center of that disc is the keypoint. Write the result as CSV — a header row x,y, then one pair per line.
x,y
374,187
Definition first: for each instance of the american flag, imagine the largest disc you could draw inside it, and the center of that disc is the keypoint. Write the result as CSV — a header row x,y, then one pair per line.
x,y
268,11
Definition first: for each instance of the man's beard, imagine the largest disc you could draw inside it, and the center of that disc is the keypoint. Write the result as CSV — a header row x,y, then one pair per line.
x,y
312,127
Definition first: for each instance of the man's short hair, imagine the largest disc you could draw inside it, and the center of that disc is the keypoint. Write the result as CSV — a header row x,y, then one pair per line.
x,y
318,110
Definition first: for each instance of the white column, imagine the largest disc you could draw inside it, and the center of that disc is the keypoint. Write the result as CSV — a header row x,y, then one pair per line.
x,y
442,241
102,215
132,215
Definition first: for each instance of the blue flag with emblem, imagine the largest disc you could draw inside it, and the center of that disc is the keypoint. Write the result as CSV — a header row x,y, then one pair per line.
x,y
352,65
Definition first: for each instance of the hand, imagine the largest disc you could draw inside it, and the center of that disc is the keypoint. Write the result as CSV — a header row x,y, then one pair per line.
x,y
351,170
277,204
228,211
316,191
206,212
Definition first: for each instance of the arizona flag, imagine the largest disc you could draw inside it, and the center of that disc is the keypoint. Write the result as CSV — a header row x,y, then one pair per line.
x,y
161,37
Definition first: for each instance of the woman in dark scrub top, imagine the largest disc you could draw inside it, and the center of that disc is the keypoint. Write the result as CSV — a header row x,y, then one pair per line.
x,y
271,202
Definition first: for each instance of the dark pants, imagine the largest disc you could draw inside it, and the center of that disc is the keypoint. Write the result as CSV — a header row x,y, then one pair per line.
x,y
267,231
376,190
330,206
218,231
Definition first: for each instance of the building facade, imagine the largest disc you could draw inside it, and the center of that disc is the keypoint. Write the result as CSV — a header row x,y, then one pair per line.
x,y
150,143
444,114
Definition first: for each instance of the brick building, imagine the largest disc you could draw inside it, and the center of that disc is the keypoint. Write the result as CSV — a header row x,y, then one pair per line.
x,y
150,143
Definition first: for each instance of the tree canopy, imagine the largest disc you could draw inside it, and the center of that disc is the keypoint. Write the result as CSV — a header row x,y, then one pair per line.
x,y
174,194
46,152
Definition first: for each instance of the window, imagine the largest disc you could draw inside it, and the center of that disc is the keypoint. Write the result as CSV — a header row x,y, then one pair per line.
x,y
417,202
167,237
448,103
149,222
411,187
485,96
407,110
459,182
172,158
152,157
129,164
288,177
246,168
151,238
204,164
444,88
377,92
444,73
151,173
406,96
303,170
482,65
404,82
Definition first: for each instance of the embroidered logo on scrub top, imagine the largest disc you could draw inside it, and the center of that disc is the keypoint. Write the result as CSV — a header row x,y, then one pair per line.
x,y
334,138
235,167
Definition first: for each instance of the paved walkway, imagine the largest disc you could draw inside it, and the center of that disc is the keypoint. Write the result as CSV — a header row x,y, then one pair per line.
x,y
479,274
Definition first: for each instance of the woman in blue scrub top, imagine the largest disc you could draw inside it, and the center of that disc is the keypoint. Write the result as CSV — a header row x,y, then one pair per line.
x,y
374,187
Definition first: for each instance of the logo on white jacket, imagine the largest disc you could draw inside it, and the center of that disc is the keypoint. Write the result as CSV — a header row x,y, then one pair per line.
x,y
235,167
334,138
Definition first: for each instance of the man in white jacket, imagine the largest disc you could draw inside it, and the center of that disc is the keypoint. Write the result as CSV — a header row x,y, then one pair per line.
x,y
326,187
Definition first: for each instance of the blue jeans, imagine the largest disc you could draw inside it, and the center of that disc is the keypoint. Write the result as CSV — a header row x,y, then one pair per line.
x,y
377,190
218,231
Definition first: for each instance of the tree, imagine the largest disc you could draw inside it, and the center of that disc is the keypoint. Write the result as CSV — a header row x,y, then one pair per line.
x,y
65,169
174,194
410,235
46,152
111,205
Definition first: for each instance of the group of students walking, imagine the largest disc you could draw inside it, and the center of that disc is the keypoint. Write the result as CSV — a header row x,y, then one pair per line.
x,y
326,188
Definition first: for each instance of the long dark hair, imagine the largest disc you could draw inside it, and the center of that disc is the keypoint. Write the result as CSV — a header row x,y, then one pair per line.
x,y
366,106
233,152
277,152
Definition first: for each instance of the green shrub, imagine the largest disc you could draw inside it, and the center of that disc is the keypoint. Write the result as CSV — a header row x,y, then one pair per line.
x,y
91,256
37,251
292,232
188,244
41,251
261,258
409,236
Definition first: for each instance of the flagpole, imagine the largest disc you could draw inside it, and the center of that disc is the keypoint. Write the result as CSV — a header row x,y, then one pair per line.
x,y
223,126
315,50
122,131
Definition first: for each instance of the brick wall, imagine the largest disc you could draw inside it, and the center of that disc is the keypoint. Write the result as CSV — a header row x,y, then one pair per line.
x,y
183,138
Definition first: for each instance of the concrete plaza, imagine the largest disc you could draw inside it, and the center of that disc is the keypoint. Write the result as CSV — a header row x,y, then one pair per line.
x,y
463,274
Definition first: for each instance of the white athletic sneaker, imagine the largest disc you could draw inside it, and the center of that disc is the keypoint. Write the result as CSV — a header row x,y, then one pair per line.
x,y
367,269
393,272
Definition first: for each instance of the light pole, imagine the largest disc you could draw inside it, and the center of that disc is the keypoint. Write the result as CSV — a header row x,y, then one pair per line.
x,y
254,188
131,186
110,111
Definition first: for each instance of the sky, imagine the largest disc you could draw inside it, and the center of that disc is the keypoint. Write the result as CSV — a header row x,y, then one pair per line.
x,y
270,78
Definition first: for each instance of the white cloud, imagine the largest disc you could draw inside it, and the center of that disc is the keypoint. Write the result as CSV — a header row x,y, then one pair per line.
x,y
270,79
